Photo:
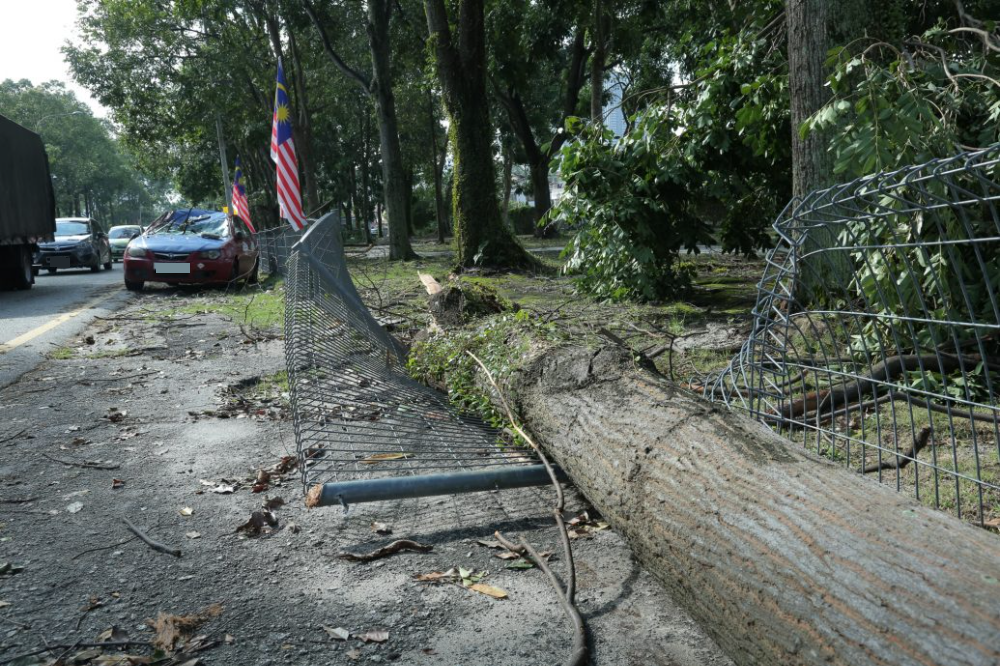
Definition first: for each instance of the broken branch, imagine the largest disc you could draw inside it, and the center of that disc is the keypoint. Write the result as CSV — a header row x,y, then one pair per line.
x,y
155,545
393,548
85,465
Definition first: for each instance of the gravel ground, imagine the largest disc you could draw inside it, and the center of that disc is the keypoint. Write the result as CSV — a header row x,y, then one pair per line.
x,y
147,398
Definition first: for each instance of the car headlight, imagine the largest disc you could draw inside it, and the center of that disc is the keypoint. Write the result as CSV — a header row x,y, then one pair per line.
x,y
135,252
210,254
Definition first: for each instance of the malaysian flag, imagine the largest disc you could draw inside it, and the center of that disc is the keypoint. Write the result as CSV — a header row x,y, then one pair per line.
x,y
241,208
283,154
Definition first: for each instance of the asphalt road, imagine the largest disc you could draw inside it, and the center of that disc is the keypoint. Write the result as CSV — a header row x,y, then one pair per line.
x,y
57,308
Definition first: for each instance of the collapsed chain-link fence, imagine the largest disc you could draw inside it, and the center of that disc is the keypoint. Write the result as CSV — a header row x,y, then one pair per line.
x,y
276,244
357,413
876,337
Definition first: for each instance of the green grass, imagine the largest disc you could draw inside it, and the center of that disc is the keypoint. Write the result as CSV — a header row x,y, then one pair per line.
x,y
61,353
263,307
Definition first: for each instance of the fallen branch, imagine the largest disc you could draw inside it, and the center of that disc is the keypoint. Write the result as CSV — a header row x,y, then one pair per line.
x,y
71,646
85,465
899,461
393,548
155,545
118,379
100,548
16,434
579,654
18,500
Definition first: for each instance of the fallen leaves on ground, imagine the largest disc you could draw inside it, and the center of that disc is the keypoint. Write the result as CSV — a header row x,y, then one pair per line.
x,y
381,457
171,629
337,633
112,633
75,507
584,525
193,535
116,484
381,528
258,523
115,416
467,578
9,569
489,590
186,511
374,637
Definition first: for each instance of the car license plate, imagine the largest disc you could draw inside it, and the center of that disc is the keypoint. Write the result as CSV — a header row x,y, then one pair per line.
x,y
161,267
59,262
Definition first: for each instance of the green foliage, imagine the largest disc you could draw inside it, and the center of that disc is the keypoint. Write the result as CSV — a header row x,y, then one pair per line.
x,y
522,218
92,172
500,341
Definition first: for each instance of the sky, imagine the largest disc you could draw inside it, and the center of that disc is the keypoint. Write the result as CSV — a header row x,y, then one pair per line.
x,y
31,34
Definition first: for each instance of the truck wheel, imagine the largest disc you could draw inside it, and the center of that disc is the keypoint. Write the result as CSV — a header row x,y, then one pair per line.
x,y
134,286
15,267
52,271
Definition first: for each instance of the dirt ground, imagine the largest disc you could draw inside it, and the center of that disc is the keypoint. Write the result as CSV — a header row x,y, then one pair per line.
x,y
152,413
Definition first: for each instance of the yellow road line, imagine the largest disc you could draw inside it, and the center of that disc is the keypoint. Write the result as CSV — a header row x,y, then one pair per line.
x,y
48,326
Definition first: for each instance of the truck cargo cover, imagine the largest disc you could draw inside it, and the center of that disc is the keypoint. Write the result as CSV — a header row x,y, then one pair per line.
x,y
27,204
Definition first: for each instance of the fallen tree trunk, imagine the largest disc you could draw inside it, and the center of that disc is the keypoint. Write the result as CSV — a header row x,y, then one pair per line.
x,y
782,557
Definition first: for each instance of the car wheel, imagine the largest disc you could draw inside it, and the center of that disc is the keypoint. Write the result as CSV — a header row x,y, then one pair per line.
x,y
134,286
96,267
35,271
109,264
52,271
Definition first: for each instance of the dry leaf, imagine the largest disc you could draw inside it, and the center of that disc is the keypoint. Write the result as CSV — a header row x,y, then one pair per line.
x,y
435,576
75,507
273,503
995,523
381,528
113,633
223,489
186,511
193,535
4,604
229,639
489,590
490,544
257,522
172,628
379,457
337,633
354,654
374,637
117,483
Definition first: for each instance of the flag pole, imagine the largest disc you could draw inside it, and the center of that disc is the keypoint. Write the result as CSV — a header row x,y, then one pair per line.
x,y
226,185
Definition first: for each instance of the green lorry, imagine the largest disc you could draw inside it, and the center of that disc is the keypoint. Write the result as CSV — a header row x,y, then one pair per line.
x,y
27,203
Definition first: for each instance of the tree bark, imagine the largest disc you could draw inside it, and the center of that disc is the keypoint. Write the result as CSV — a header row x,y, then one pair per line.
x,y
784,558
480,236
380,89
393,177
812,27
437,166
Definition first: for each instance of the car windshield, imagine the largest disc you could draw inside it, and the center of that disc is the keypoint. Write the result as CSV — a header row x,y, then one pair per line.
x,y
72,228
212,225
123,232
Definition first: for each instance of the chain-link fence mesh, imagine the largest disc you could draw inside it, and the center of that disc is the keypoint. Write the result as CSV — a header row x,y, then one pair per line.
x,y
275,248
357,413
876,339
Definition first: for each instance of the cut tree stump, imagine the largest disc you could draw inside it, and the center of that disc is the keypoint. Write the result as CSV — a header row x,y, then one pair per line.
x,y
784,558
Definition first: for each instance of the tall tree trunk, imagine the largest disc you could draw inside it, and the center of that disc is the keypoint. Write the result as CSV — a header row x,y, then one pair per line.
x,y
380,89
810,23
304,128
408,184
481,238
508,178
597,62
393,176
437,166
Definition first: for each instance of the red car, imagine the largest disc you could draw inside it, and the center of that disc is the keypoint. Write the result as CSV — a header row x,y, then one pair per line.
x,y
192,247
